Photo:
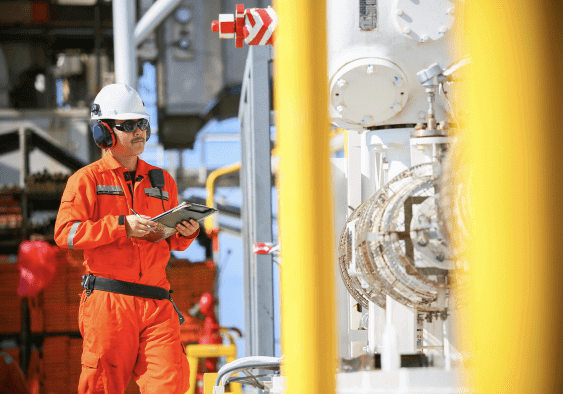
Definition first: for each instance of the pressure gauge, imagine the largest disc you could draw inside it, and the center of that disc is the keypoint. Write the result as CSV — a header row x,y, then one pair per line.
x,y
183,15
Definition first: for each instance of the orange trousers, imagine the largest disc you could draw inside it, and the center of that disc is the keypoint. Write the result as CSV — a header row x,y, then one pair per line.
x,y
128,336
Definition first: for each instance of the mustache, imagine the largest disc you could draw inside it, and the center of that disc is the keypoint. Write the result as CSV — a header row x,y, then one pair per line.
x,y
138,139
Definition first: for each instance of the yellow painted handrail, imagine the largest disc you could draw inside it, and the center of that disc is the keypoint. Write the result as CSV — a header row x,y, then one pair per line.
x,y
195,352
210,187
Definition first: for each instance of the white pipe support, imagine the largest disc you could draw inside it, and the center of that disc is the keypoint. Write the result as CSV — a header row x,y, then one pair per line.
x,y
152,18
375,327
218,389
368,168
390,357
125,53
447,349
372,337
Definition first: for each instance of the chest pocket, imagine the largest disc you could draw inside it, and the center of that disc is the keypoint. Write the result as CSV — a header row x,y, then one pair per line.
x,y
110,190
154,192
111,200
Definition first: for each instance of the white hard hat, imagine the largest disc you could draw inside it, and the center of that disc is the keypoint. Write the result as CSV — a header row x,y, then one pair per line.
x,y
118,101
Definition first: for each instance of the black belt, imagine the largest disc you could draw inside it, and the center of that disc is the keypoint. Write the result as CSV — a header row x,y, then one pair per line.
x,y
91,282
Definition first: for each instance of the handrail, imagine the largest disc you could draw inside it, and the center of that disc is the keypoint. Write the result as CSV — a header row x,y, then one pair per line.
x,y
210,187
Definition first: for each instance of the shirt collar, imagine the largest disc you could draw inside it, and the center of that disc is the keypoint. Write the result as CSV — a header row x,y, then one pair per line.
x,y
110,163
142,167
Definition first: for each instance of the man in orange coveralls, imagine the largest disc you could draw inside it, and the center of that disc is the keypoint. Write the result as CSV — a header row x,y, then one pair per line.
x,y
127,319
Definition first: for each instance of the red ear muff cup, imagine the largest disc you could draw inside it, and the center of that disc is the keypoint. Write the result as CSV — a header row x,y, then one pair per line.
x,y
112,139
148,133
103,135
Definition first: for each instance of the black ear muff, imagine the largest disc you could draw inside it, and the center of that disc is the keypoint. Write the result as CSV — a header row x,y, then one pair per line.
x,y
103,135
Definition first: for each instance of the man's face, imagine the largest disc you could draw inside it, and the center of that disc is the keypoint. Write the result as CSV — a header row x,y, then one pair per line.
x,y
129,144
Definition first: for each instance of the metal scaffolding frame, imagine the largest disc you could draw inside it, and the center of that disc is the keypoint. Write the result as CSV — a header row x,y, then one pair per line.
x,y
256,185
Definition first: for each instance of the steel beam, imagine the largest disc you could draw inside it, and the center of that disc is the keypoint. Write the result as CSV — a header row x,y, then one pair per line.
x,y
257,205
152,18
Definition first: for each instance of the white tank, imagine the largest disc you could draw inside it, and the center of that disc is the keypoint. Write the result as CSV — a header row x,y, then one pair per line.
x,y
375,50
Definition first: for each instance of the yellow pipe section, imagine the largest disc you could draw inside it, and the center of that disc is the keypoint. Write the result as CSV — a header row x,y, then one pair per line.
x,y
514,150
305,198
195,353
210,187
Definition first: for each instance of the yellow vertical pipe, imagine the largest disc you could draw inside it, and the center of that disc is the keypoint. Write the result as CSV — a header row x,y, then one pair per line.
x,y
305,199
514,105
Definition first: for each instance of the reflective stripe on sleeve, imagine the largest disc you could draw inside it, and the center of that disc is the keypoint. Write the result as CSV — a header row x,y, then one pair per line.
x,y
73,230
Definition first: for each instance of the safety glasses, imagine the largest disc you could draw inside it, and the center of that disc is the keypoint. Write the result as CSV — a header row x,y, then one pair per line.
x,y
131,125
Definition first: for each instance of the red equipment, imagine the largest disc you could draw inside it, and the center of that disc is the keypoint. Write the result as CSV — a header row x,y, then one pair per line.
x,y
255,26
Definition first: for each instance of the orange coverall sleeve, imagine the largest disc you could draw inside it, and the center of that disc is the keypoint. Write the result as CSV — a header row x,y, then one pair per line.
x,y
177,241
77,217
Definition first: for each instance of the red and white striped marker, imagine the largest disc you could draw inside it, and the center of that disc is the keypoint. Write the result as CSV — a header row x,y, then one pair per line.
x,y
239,24
265,248
225,26
260,25
255,26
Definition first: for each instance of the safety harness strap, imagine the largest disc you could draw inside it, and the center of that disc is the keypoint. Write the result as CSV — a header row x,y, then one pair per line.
x,y
91,282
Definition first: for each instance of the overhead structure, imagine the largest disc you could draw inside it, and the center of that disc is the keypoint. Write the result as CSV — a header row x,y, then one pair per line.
x,y
152,18
189,72
25,136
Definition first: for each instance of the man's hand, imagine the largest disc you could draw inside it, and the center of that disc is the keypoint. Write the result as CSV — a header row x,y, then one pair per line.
x,y
187,228
137,226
